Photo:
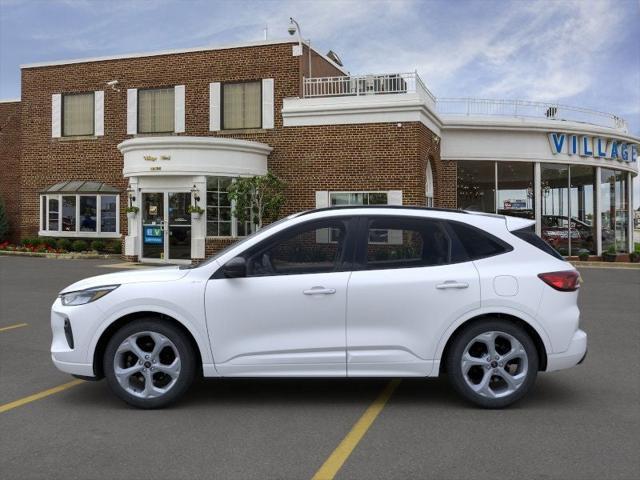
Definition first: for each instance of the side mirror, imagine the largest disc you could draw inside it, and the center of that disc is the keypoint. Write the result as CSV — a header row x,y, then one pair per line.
x,y
235,268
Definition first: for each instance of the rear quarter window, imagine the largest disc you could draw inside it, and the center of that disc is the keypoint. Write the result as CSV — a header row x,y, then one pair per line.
x,y
529,236
478,243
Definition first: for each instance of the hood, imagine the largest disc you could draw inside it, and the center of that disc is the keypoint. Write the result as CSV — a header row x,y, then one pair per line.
x,y
166,274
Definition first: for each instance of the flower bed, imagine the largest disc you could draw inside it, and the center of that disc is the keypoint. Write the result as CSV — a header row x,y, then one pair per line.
x,y
53,246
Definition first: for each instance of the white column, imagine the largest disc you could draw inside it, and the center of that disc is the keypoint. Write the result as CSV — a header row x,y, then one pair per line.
x,y
537,192
199,226
598,212
630,211
132,241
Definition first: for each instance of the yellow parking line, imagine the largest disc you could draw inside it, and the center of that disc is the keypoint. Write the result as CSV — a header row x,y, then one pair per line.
x,y
37,396
11,327
335,461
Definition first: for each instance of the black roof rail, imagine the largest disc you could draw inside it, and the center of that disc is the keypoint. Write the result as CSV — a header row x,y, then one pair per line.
x,y
392,207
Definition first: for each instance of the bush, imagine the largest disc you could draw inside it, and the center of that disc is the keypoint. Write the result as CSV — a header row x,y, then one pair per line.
x,y
97,245
79,246
583,255
114,247
47,242
29,241
64,244
4,222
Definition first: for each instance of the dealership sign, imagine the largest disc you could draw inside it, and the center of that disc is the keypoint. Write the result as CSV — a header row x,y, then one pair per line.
x,y
597,147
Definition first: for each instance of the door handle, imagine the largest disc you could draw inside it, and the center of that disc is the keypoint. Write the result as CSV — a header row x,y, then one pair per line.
x,y
319,291
452,284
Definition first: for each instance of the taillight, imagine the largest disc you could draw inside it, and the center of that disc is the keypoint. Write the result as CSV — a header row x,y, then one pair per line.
x,y
568,281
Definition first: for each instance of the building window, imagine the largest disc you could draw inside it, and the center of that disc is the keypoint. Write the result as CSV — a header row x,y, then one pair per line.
x,y
477,186
357,198
78,114
221,221
515,189
75,215
156,110
614,210
241,105
429,185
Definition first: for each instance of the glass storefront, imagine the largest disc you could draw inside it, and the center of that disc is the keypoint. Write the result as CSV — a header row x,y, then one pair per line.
x,y
568,197
614,208
515,189
477,186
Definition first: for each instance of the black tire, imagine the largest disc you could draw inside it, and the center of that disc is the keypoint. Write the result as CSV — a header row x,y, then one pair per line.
x,y
457,349
185,351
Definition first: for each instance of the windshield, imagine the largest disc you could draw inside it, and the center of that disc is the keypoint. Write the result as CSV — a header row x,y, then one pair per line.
x,y
235,244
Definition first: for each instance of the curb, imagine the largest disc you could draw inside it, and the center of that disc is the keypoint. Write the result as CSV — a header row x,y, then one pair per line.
x,y
612,265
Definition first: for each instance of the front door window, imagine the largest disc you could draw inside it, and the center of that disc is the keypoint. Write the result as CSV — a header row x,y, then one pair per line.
x,y
166,226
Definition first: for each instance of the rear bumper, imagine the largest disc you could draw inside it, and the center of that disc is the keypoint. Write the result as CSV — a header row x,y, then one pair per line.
x,y
81,369
572,356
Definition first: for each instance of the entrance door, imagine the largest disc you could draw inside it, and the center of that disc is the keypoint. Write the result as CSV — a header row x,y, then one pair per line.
x,y
166,226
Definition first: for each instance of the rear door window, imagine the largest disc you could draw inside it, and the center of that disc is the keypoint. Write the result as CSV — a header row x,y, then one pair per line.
x,y
404,242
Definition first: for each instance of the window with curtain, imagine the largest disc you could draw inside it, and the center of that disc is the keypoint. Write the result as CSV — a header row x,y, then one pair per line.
x,y
156,110
77,114
241,105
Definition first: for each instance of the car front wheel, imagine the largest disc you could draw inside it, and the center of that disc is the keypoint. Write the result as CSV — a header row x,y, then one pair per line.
x,y
149,363
492,363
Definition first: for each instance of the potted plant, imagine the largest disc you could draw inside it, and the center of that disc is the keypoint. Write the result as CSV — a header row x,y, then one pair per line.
x,y
583,255
196,211
635,255
610,255
131,212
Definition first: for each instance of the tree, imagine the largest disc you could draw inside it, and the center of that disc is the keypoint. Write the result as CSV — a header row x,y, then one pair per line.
x,y
258,199
4,222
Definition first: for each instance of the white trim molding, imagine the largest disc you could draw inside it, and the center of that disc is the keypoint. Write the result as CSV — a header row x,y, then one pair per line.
x,y
56,115
179,101
132,111
214,107
98,112
268,116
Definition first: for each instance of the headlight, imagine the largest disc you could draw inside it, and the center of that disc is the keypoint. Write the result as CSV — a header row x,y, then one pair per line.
x,y
81,297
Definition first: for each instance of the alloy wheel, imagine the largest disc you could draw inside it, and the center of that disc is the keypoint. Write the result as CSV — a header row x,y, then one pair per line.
x,y
494,364
147,364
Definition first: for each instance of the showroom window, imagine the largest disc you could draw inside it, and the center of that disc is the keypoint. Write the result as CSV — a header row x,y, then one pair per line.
x,y
78,114
79,208
515,189
477,186
221,221
614,210
241,105
79,215
156,110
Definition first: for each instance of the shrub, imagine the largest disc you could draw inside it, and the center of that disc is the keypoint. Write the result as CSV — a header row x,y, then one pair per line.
x,y
47,242
115,247
4,222
79,246
28,241
64,244
583,255
97,245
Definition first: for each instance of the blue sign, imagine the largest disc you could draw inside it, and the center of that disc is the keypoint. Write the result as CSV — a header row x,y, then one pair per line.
x,y
588,146
152,235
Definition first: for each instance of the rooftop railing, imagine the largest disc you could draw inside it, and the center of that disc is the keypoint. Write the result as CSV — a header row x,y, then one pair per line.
x,y
357,85
399,83
528,109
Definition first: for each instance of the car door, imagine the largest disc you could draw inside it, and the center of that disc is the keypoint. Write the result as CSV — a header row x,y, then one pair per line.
x,y
411,281
287,317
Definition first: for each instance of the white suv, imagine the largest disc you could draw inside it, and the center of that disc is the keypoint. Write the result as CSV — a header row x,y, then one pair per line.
x,y
342,292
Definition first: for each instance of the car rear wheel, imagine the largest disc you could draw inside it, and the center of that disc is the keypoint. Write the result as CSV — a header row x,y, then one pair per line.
x,y
492,363
149,363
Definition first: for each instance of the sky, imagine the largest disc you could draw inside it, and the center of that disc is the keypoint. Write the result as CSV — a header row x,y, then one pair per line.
x,y
579,52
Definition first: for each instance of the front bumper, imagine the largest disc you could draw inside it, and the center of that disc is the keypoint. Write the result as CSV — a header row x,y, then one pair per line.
x,y
72,330
572,356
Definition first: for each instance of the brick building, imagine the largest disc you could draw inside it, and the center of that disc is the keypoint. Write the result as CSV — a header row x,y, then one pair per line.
x,y
161,131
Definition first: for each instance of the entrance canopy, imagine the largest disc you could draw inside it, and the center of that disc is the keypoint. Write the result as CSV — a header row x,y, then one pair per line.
x,y
80,186
144,156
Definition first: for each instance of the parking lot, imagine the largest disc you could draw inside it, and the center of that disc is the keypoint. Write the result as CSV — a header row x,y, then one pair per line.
x,y
577,424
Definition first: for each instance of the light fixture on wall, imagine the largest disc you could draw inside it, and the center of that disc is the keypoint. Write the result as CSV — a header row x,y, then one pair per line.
x,y
132,196
195,193
294,27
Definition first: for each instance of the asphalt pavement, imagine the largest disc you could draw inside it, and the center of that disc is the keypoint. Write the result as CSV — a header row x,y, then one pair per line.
x,y
581,423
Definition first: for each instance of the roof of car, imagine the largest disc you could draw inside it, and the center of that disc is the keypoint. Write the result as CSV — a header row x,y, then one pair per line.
x,y
384,207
